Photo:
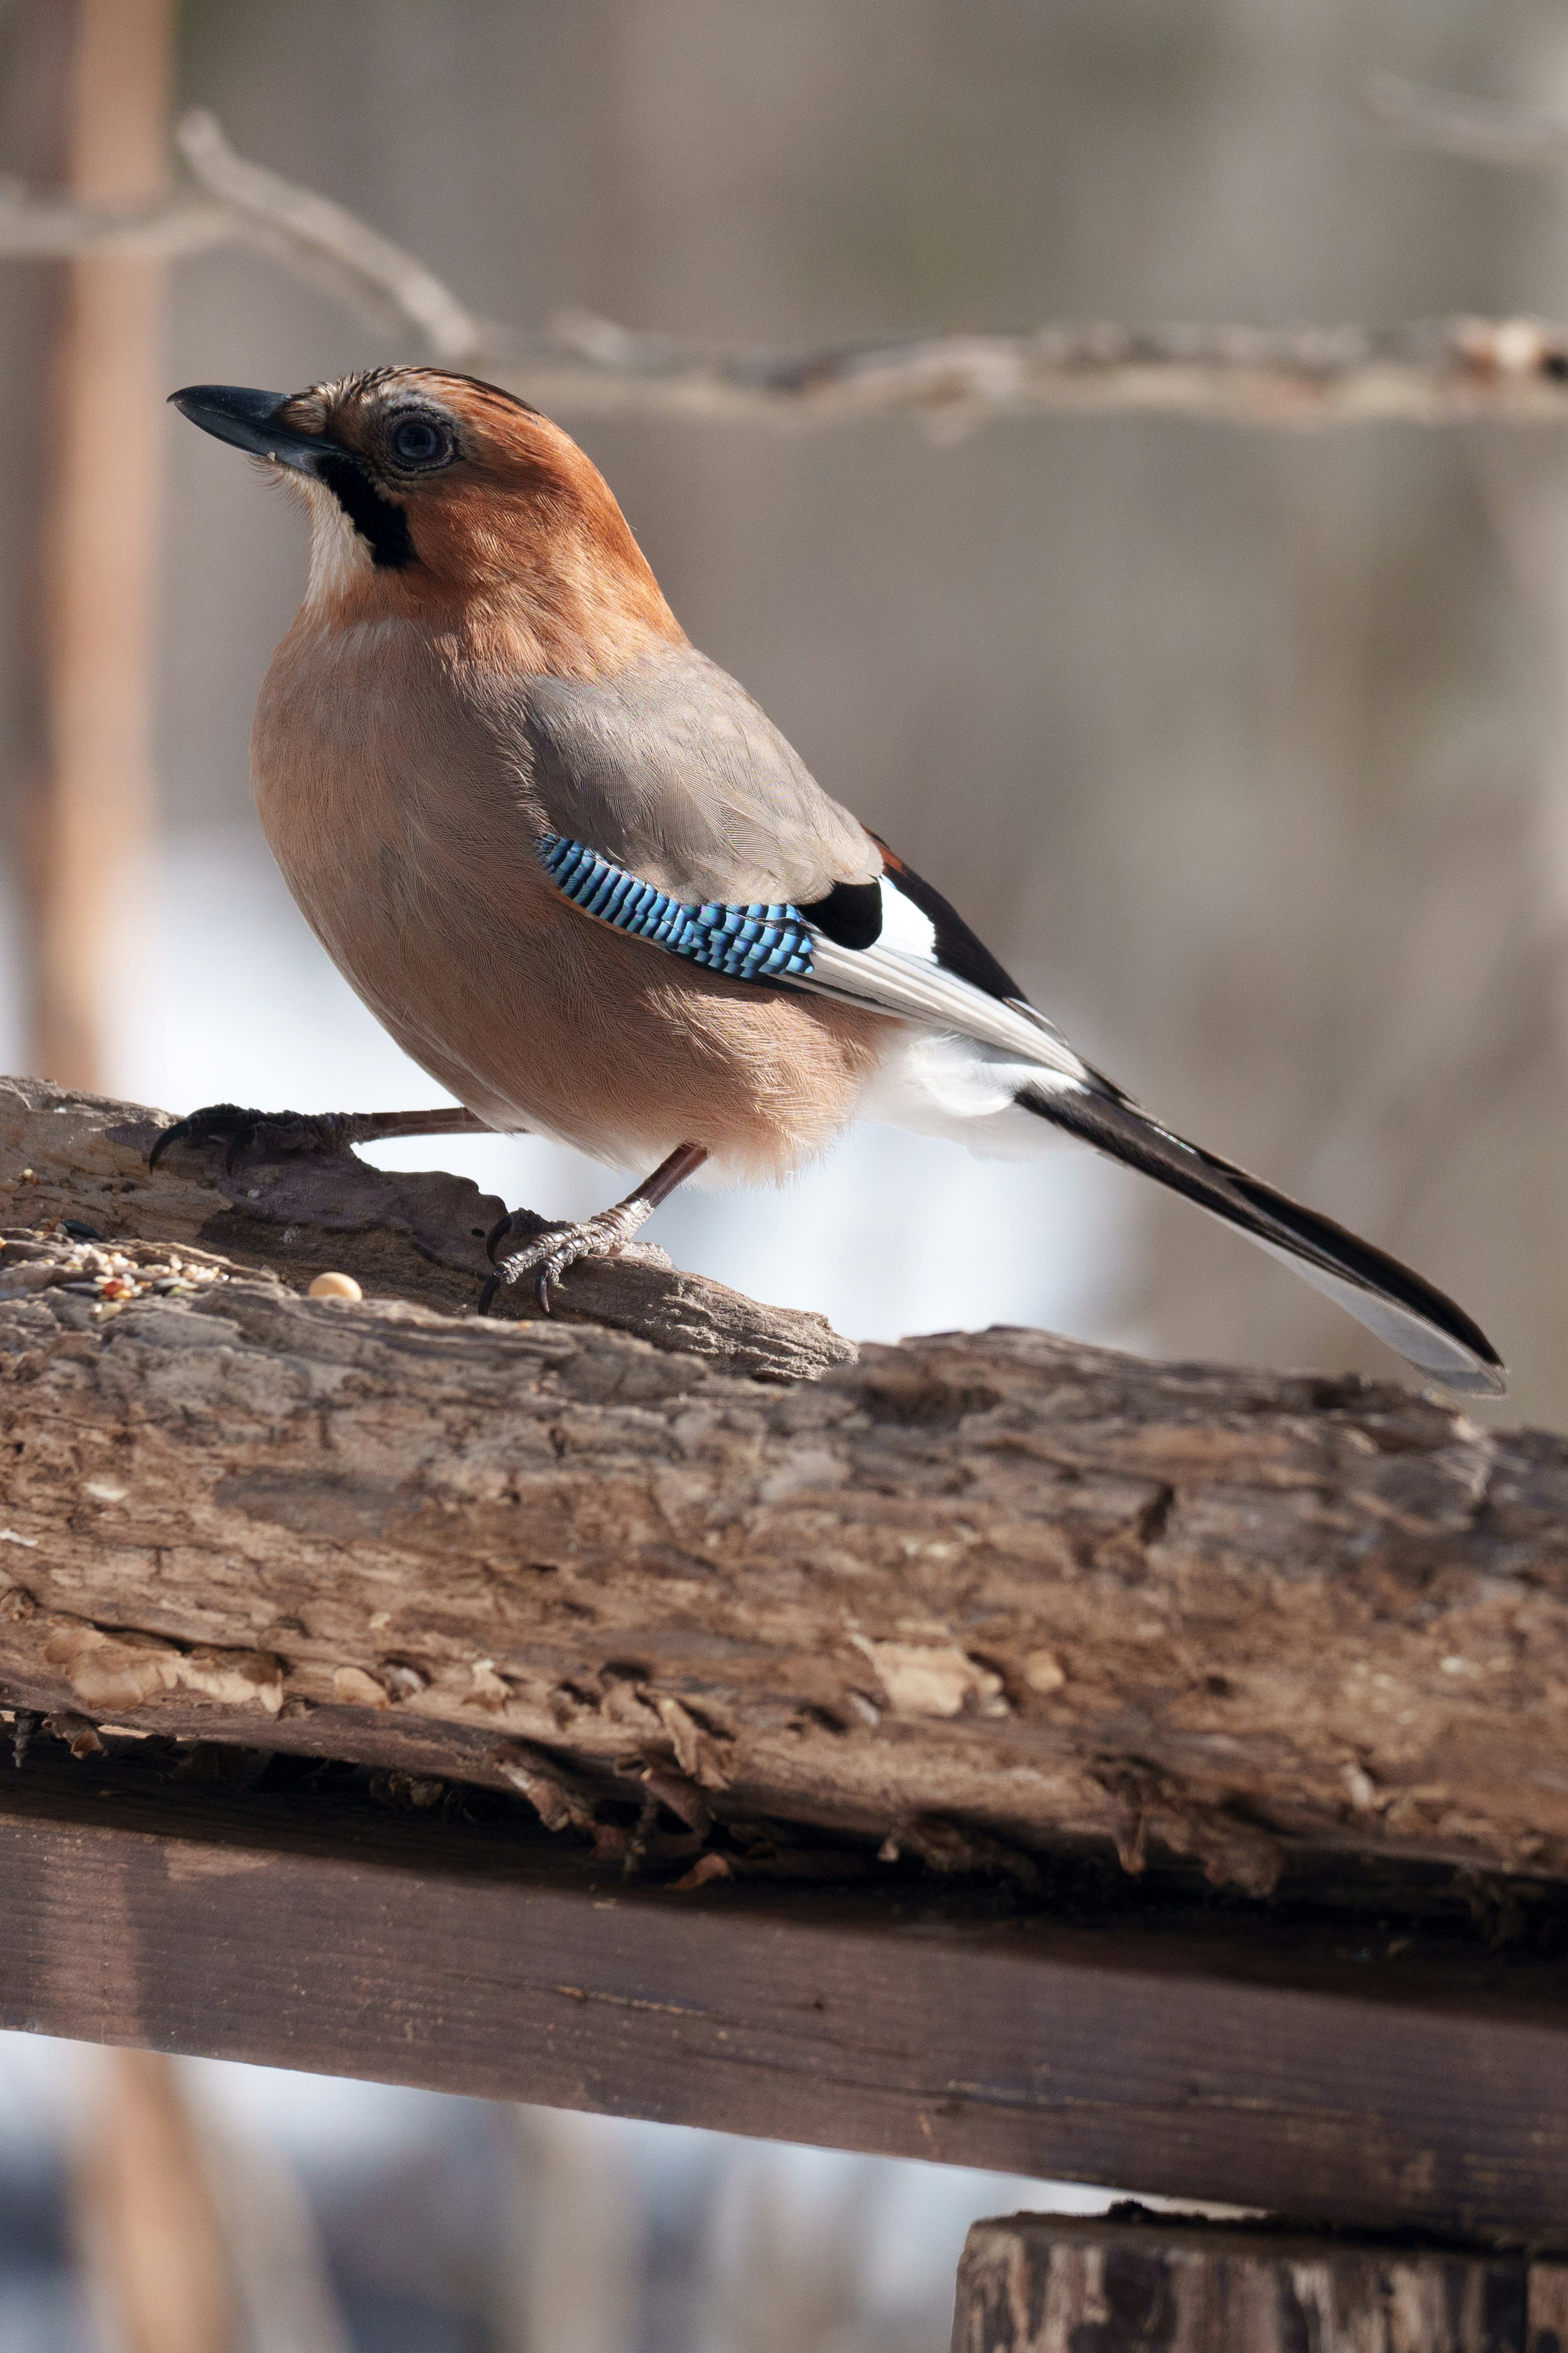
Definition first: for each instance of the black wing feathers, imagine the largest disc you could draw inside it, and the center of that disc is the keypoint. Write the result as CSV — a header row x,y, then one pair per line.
x,y
958,951
851,914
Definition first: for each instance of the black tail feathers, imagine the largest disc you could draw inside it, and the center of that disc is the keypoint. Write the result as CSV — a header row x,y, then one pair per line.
x,y
1410,1314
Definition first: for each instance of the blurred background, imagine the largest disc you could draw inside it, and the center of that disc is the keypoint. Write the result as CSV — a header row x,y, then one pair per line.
x,y
201,2207
1246,750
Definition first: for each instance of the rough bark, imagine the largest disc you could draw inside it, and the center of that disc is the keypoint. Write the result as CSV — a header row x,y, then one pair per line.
x,y
418,1237
973,1596
1135,2282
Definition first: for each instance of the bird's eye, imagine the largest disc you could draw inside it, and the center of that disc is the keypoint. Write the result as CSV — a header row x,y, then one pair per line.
x,y
419,441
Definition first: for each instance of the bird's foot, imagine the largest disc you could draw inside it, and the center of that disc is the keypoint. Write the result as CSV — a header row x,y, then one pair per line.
x,y
264,1135
546,1254
284,1135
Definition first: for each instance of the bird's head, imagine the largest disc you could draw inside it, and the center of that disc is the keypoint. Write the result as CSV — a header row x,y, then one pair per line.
x,y
437,497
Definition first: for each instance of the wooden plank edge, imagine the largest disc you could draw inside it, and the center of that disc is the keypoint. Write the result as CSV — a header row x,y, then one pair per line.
x,y
326,1935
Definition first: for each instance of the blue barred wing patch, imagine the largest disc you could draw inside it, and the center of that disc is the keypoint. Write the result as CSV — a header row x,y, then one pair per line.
x,y
748,942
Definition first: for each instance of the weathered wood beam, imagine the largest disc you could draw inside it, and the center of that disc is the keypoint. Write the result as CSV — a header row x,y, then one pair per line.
x,y
1194,2051
969,1598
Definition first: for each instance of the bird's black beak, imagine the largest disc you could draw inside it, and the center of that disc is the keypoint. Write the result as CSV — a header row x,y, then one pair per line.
x,y
250,420
247,419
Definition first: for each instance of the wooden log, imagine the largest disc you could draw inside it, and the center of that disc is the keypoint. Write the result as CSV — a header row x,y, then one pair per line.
x,y
1135,2282
975,1599
421,1238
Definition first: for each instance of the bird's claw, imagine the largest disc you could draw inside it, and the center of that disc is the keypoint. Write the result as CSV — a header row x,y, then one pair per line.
x,y
273,1135
545,1255
216,1124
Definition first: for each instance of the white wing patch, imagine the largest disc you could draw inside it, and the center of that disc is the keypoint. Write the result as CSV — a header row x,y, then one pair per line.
x,y
959,1067
901,975
957,1074
907,930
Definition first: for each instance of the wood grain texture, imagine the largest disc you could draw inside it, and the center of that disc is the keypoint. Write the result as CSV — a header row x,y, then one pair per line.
x,y
1135,2282
972,1598
1194,2053
417,1236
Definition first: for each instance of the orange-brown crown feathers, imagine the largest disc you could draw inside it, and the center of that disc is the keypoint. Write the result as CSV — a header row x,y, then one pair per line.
x,y
456,500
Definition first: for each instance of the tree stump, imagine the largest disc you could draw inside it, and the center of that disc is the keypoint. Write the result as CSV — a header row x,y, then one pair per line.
x,y
1136,2281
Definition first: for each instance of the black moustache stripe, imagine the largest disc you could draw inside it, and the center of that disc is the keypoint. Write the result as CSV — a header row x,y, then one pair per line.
x,y
383,525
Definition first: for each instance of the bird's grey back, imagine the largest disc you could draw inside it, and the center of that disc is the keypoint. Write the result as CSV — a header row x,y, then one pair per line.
x,y
669,769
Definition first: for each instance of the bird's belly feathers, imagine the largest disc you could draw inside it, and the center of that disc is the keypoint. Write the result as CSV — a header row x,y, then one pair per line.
x,y
410,853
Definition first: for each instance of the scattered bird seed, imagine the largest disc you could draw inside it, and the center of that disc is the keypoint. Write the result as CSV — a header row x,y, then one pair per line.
x,y
335,1286
91,1268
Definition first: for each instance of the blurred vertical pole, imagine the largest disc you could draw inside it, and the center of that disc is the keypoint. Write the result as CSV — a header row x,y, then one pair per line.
x,y
88,830
149,2229
569,2278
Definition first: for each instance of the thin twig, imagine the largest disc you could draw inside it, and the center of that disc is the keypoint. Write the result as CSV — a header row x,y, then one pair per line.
x,y
1440,371
1432,372
1484,130
49,228
309,231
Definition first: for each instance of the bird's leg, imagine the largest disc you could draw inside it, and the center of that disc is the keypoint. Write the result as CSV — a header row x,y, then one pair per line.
x,y
278,1134
548,1255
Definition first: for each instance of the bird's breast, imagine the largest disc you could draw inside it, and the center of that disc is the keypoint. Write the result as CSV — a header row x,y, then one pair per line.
x,y
408,833
360,766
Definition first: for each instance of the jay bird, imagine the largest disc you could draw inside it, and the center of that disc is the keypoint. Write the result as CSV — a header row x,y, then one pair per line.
x,y
588,885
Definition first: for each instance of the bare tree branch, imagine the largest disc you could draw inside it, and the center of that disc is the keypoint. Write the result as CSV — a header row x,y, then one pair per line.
x,y
51,229
313,235
1436,372
1483,130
